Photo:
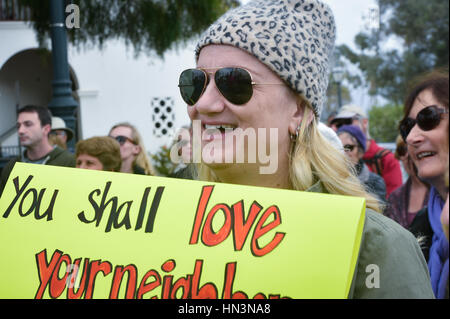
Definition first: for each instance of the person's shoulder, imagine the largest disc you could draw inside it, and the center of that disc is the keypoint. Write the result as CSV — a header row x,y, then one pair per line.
x,y
383,227
61,157
138,170
377,179
399,191
6,171
10,164
376,149
384,238
389,156
372,150
396,254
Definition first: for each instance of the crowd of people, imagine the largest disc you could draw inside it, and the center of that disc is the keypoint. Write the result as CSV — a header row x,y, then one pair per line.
x,y
250,75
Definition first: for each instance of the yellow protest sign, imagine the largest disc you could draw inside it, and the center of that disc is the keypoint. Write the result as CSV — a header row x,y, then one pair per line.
x,y
72,233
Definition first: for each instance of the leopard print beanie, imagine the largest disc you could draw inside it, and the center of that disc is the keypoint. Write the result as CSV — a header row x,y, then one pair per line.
x,y
294,38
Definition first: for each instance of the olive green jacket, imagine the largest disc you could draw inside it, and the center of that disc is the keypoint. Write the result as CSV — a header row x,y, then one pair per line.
x,y
392,252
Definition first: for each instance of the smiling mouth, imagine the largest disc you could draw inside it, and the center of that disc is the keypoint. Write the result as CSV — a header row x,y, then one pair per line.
x,y
422,155
223,128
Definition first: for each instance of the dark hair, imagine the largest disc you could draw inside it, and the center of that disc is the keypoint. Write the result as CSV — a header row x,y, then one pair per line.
x,y
401,148
44,115
104,148
436,81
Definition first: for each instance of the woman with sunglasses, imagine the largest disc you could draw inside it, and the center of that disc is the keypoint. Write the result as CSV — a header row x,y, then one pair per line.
x,y
408,200
132,150
264,66
425,130
354,143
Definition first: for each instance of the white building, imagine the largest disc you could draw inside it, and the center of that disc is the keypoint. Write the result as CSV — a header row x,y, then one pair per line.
x,y
111,86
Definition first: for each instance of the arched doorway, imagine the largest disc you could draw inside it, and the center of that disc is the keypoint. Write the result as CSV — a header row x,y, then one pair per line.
x,y
25,78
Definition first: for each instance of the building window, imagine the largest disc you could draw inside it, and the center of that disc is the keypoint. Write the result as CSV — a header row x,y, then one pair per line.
x,y
163,116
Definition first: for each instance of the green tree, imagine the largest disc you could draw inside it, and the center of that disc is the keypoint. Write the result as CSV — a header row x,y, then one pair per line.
x,y
147,25
162,163
420,28
384,122
332,103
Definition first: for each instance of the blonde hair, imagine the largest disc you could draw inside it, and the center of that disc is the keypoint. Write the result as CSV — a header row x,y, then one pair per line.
x,y
54,140
313,159
141,159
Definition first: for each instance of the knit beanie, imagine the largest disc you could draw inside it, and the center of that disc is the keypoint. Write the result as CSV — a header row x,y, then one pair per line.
x,y
331,136
294,38
356,132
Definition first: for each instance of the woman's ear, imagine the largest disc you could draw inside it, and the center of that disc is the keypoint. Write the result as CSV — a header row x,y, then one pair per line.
x,y
297,116
136,150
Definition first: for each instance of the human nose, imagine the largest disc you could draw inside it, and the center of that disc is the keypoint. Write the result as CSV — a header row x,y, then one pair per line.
x,y
82,165
20,129
415,136
211,100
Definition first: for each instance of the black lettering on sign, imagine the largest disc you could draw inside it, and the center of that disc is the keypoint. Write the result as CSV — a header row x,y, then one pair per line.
x,y
31,201
120,213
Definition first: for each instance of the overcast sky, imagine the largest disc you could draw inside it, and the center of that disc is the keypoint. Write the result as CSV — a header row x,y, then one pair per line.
x,y
349,18
348,15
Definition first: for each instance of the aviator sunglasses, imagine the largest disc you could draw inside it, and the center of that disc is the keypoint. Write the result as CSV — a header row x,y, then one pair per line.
x,y
427,119
235,84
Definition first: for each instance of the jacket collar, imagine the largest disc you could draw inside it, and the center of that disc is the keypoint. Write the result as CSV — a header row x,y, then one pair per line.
x,y
317,188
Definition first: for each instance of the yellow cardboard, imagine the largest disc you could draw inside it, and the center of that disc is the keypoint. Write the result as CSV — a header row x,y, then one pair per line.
x,y
251,242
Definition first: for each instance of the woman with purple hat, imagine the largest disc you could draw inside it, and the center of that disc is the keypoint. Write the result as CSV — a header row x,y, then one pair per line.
x,y
354,143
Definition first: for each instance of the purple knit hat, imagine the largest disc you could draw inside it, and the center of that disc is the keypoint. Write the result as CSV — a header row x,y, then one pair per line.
x,y
356,132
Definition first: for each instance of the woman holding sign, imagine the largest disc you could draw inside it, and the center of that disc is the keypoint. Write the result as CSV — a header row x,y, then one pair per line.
x,y
425,130
262,71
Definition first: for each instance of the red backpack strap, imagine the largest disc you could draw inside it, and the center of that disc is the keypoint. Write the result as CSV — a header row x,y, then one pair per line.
x,y
376,162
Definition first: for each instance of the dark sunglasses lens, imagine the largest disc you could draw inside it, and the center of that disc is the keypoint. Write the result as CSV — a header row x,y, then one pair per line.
x,y
428,118
121,139
349,148
235,84
406,127
342,122
191,84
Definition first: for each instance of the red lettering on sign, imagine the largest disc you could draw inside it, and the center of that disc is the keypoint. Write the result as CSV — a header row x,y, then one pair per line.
x,y
260,230
202,203
117,280
235,222
45,270
145,287
96,267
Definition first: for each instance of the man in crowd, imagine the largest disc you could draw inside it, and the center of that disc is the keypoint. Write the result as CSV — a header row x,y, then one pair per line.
x,y
33,128
378,159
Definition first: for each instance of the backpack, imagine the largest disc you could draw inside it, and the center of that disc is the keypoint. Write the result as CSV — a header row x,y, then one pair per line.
x,y
375,163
